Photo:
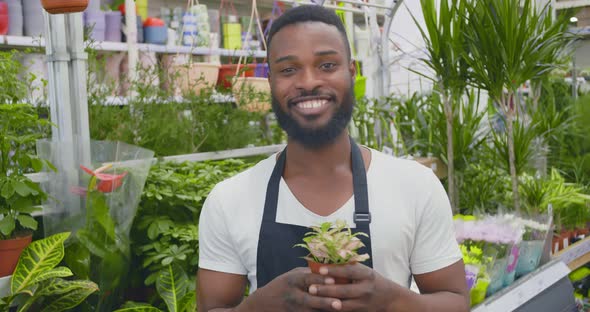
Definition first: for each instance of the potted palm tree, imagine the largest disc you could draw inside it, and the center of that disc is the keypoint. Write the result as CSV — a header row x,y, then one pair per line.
x,y
19,128
445,46
510,43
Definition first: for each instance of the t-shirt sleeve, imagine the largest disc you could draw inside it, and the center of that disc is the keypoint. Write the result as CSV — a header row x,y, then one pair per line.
x,y
217,250
435,245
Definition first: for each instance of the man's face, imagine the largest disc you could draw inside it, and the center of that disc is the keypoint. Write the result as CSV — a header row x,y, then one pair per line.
x,y
311,79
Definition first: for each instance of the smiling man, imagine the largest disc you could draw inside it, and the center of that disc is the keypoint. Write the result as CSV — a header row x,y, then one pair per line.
x,y
250,222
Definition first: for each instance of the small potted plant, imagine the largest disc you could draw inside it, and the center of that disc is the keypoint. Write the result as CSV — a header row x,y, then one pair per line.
x,y
330,245
19,128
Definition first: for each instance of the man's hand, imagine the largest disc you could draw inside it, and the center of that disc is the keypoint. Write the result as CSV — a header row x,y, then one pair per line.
x,y
289,292
369,291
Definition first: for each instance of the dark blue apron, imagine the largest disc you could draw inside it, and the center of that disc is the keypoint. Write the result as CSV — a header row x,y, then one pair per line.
x,y
276,254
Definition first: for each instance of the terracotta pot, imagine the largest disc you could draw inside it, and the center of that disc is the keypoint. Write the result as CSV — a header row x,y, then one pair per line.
x,y
64,6
10,250
315,268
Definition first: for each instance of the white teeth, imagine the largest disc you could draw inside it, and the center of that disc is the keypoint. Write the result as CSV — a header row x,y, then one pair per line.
x,y
312,104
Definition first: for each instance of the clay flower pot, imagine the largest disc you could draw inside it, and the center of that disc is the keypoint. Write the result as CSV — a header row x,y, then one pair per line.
x,y
315,268
64,6
10,250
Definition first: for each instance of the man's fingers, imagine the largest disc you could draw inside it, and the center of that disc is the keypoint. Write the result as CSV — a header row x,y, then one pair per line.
x,y
352,271
303,279
346,291
321,303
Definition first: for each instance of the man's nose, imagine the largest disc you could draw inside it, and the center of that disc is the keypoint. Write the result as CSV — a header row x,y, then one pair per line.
x,y
309,80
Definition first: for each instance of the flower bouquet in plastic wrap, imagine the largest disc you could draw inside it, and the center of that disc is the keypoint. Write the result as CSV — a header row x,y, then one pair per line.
x,y
476,265
495,240
536,230
514,231
95,194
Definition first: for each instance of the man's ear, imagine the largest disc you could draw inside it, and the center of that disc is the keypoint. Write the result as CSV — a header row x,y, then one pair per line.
x,y
352,68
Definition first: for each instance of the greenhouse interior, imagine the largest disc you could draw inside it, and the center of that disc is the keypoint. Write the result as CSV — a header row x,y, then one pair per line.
x,y
116,127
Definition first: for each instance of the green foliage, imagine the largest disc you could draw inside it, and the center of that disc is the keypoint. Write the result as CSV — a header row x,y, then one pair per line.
x,y
13,88
366,115
169,125
570,201
174,288
509,43
445,44
523,137
165,231
20,127
101,253
37,283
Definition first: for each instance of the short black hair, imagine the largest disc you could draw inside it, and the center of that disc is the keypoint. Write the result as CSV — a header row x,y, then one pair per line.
x,y
307,13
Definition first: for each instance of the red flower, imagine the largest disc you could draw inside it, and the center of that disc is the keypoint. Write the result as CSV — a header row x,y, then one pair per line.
x,y
107,182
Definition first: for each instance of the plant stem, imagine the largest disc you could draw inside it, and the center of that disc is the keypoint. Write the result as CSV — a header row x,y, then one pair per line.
x,y
511,159
448,106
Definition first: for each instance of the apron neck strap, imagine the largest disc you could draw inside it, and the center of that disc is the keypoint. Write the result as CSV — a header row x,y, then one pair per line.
x,y
362,216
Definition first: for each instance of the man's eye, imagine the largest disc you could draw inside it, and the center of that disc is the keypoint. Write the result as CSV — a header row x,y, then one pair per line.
x,y
328,66
288,70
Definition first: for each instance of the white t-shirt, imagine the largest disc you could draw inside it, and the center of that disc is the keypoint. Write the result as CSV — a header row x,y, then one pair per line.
x,y
411,229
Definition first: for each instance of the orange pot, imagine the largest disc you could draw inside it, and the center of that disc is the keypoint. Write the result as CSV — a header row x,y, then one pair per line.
x,y
64,6
315,268
10,250
228,71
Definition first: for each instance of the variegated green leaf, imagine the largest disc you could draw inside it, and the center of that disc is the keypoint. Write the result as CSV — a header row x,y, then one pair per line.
x,y
54,288
60,286
40,256
72,298
54,273
172,285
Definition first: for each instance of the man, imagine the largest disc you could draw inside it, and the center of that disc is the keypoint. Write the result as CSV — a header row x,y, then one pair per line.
x,y
250,222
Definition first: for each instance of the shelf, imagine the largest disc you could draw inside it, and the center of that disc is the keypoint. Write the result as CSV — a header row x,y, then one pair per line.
x,y
38,42
568,4
548,286
575,255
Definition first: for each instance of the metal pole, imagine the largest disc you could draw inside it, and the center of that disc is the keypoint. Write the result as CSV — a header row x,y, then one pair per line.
x,y
385,73
78,91
131,35
58,72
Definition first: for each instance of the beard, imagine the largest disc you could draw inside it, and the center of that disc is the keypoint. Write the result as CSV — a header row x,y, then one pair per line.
x,y
315,138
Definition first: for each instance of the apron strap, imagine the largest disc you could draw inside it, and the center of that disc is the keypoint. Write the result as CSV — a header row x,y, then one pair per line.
x,y
362,216
272,190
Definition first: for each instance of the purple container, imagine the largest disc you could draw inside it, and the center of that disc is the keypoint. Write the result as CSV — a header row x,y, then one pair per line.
x,y
97,22
15,22
261,70
114,23
33,18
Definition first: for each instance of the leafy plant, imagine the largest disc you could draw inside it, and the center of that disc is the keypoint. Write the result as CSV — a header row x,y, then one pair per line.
x,y
13,88
446,48
175,289
101,249
165,231
38,284
333,244
20,127
509,43
569,200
